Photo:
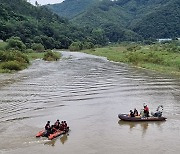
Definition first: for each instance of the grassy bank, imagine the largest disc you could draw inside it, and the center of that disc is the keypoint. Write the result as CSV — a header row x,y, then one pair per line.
x,y
152,57
47,55
35,55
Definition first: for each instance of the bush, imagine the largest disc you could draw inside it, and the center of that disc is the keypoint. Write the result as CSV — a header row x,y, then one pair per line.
x,y
143,57
51,56
3,45
134,58
11,65
15,43
13,60
88,45
13,55
38,47
133,47
178,65
76,46
29,51
153,57
2,56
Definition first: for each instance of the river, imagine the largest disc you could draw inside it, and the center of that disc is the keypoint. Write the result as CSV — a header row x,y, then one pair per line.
x,y
88,92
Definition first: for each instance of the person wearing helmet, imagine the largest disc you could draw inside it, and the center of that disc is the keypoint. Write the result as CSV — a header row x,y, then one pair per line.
x,y
47,128
131,113
135,112
57,124
146,111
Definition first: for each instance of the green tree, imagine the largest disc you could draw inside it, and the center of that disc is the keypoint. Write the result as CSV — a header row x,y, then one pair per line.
x,y
15,43
38,47
88,45
99,37
76,46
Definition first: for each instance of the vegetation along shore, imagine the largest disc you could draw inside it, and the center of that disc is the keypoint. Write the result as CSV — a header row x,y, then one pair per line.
x,y
161,57
15,56
31,31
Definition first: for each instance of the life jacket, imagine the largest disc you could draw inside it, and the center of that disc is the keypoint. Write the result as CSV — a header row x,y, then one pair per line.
x,y
147,109
61,127
47,127
57,123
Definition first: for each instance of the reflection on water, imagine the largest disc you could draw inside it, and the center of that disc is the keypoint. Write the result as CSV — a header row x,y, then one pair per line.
x,y
132,125
63,138
51,142
144,125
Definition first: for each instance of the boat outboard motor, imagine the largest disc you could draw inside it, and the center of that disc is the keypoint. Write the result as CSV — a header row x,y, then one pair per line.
x,y
158,112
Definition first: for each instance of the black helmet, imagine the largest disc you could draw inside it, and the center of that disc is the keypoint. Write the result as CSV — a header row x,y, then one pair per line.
x,y
48,122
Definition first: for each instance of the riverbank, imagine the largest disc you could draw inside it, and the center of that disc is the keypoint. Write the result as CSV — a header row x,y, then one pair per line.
x,y
16,56
148,57
12,61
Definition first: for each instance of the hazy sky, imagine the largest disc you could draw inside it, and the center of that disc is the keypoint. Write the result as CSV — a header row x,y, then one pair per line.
x,y
42,2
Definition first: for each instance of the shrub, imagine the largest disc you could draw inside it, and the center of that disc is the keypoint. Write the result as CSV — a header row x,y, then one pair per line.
x,y
18,56
11,65
51,56
76,46
15,43
2,56
133,47
134,57
88,45
38,47
143,57
29,51
178,65
6,56
3,45
153,57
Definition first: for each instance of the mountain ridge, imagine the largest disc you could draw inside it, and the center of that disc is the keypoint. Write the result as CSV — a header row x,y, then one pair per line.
x,y
75,6
130,15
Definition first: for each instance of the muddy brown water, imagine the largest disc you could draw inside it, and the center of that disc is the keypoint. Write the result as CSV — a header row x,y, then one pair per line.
x,y
88,92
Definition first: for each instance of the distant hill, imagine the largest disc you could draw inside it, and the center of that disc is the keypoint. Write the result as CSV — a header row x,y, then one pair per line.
x,y
71,8
125,19
162,23
92,22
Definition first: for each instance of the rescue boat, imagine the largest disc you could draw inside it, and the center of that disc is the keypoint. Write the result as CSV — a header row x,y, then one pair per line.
x,y
126,117
57,133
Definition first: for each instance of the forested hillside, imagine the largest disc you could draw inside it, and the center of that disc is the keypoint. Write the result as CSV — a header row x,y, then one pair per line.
x,y
71,8
163,23
94,22
128,19
35,24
